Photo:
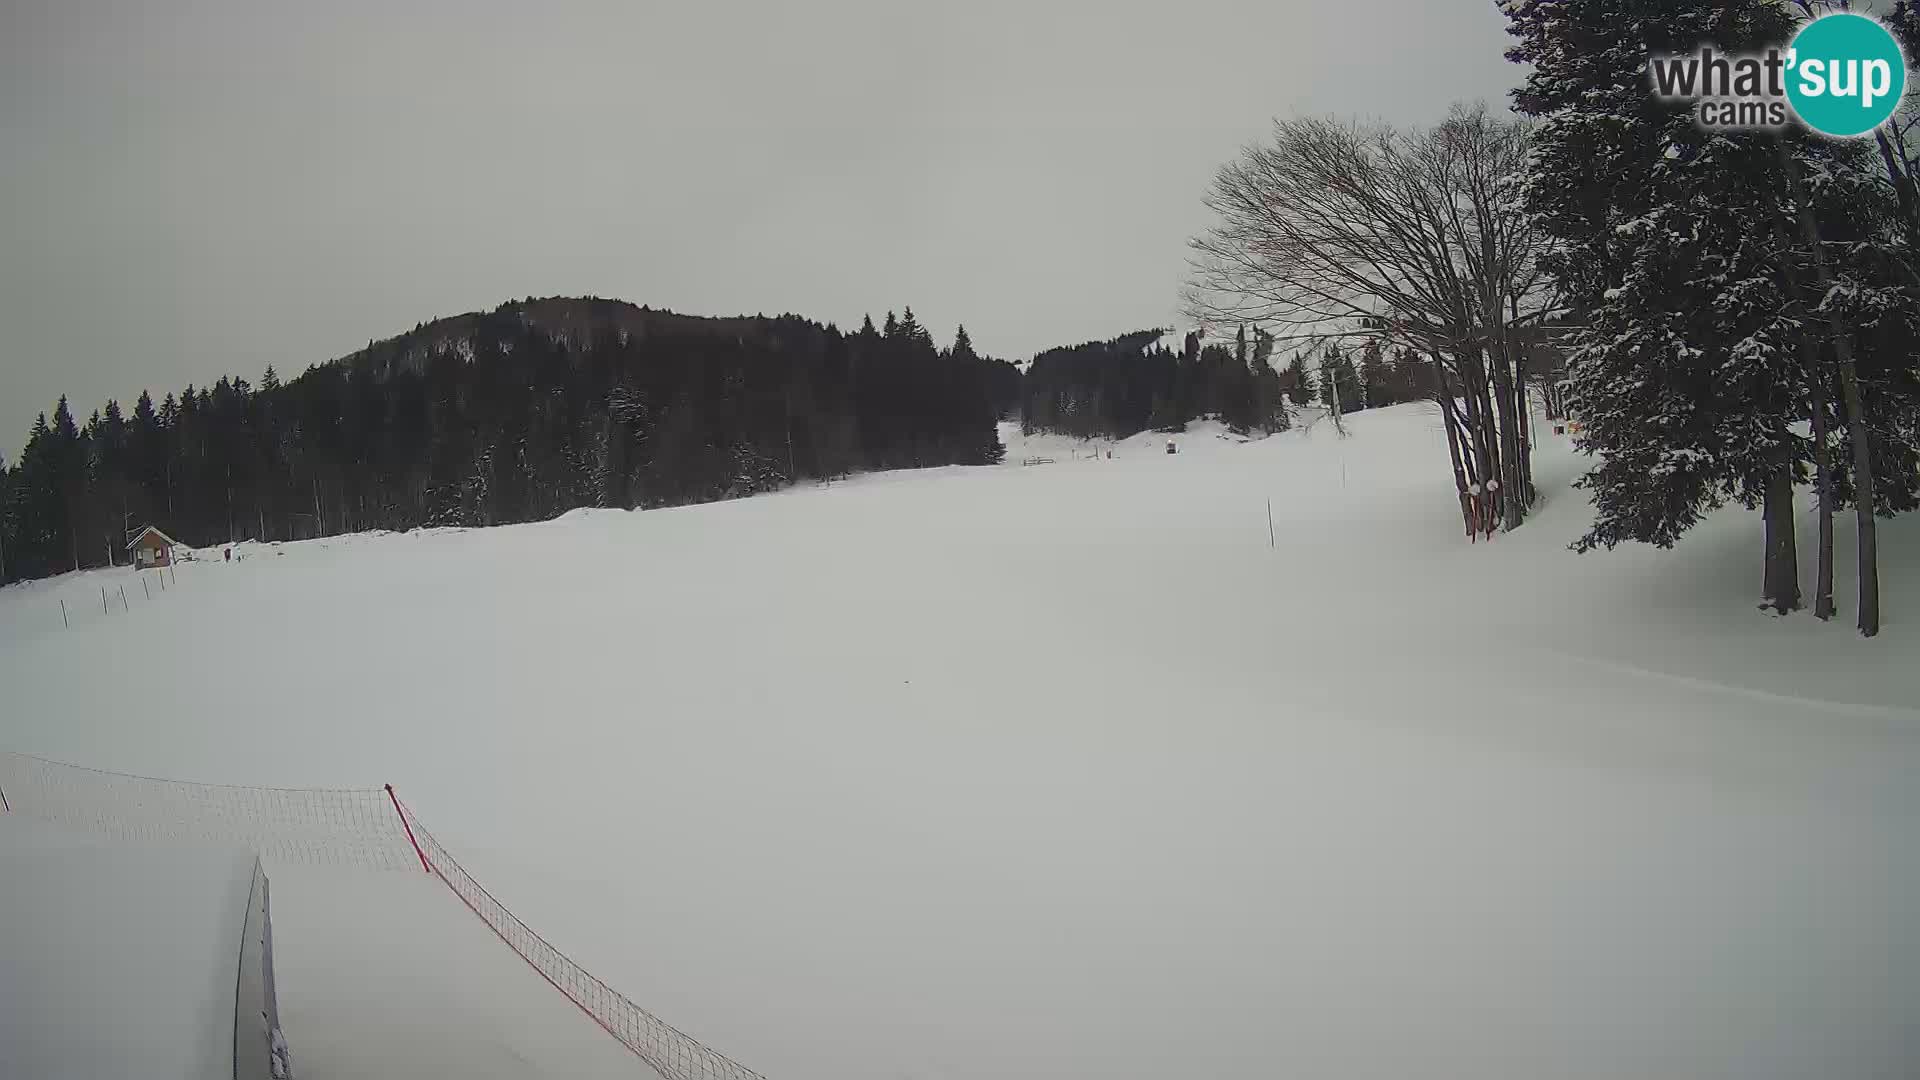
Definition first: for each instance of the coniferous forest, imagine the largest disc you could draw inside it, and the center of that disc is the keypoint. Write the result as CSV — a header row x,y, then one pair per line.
x,y
1112,389
517,414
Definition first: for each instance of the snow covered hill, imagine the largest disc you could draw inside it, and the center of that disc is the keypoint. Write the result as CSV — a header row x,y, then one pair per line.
x,y
1063,770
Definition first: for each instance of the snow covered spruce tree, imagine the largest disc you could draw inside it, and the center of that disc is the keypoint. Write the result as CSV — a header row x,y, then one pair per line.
x,y
1701,315
1415,239
1269,393
1852,270
1860,251
1670,275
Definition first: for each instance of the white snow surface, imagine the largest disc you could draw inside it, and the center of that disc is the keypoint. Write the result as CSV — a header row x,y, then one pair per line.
x,y
1064,771
384,974
116,961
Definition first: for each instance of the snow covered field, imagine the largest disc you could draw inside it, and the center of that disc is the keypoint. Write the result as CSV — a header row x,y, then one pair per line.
x,y
1063,771
117,961
384,974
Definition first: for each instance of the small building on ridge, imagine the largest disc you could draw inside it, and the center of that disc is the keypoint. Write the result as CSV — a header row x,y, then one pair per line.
x,y
150,547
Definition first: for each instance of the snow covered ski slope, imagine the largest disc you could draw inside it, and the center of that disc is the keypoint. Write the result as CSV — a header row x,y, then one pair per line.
x,y
1062,770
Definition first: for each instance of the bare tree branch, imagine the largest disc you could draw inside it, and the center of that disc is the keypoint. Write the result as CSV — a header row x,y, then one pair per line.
x,y
1338,230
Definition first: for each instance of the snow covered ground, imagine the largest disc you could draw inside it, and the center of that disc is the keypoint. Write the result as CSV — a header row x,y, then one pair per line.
x,y
1062,770
117,961
386,974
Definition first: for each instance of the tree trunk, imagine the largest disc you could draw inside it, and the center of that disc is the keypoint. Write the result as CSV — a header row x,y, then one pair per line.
x,y
1443,397
1525,466
1484,444
1513,485
1782,584
1863,485
1472,456
1823,486
1495,468
1550,393
1459,474
1863,496
1503,435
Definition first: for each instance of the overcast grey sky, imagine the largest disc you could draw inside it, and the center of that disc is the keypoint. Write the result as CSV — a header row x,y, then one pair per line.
x,y
194,188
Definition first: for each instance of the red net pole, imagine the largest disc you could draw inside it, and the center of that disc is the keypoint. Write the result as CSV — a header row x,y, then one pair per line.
x,y
404,824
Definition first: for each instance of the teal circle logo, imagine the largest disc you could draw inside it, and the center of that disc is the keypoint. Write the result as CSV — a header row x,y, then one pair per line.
x,y
1846,75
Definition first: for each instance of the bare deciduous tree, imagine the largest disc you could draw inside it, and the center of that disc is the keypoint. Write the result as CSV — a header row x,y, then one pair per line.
x,y
1338,230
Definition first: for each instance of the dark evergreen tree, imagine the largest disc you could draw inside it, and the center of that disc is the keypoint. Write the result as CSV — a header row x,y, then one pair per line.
x,y
1340,389
34,506
1299,382
67,462
962,346
1375,376
1409,376
911,330
1229,387
1269,396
